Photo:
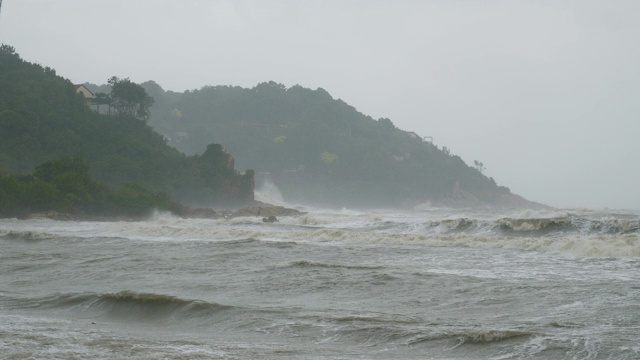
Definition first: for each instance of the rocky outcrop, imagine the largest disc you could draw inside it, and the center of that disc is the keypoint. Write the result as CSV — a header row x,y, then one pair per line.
x,y
216,166
270,219
200,213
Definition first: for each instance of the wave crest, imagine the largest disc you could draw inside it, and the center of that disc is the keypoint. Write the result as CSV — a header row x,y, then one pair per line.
x,y
487,336
472,336
28,235
556,226
126,304
308,263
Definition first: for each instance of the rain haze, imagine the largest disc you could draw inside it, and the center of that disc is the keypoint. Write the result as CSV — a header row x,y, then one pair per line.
x,y
544,93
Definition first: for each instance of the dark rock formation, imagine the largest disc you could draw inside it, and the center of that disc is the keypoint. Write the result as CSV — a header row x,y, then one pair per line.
x,y
200,213
217,168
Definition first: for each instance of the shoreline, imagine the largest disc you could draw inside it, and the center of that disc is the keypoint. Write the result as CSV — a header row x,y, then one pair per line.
x,y
264,210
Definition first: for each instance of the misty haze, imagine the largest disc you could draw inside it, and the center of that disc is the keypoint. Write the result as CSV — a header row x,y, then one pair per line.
x,y
319,179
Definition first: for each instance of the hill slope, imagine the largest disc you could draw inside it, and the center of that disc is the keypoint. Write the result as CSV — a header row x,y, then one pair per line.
x,y
42,118
320,150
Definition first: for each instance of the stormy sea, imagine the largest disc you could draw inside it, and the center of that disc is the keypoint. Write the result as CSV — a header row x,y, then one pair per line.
x,y
331,284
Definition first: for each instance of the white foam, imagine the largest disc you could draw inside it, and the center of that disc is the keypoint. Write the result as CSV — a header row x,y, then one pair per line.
x,y
269,193
335,227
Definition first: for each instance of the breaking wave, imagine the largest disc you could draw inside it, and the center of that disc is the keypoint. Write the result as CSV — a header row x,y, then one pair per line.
x,y
578,234
537,226
29,236
269,193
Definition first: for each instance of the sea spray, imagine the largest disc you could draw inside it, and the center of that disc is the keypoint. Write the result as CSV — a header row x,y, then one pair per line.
x,y
269,193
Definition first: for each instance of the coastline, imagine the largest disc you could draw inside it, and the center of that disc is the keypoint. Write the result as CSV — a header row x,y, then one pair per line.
x,y
256,210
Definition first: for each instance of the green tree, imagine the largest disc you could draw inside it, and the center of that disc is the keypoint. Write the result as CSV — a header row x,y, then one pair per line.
x,y
7,49
43,118
130,98
71,177
135,199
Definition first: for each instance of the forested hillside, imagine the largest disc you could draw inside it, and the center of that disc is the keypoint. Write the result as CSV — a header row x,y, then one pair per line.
x,y
42,118
320,150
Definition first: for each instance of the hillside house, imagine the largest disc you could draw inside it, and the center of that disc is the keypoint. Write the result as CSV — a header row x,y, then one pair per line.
x,y
88,95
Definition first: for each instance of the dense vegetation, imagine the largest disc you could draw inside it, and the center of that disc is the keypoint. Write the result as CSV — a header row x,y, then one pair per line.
x,y
66,186
42,118
318,149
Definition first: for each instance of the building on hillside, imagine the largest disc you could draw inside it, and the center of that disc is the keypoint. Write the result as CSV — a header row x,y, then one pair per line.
x,y
88,95
413,135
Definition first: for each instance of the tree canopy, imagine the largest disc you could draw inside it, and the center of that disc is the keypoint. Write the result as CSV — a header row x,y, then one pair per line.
x,y
43,118
65,185
315,148
129,98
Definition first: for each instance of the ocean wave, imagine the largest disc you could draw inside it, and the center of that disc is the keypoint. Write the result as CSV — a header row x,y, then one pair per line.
x,y
372,331
153,299
309,264
375,320
124,304
36,237
581,225
29,235
579,234
454,225
601,236
473,336
601,246
627,245
557,226
486,336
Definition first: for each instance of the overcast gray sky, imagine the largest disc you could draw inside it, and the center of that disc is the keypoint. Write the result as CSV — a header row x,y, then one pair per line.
x,y
545,93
